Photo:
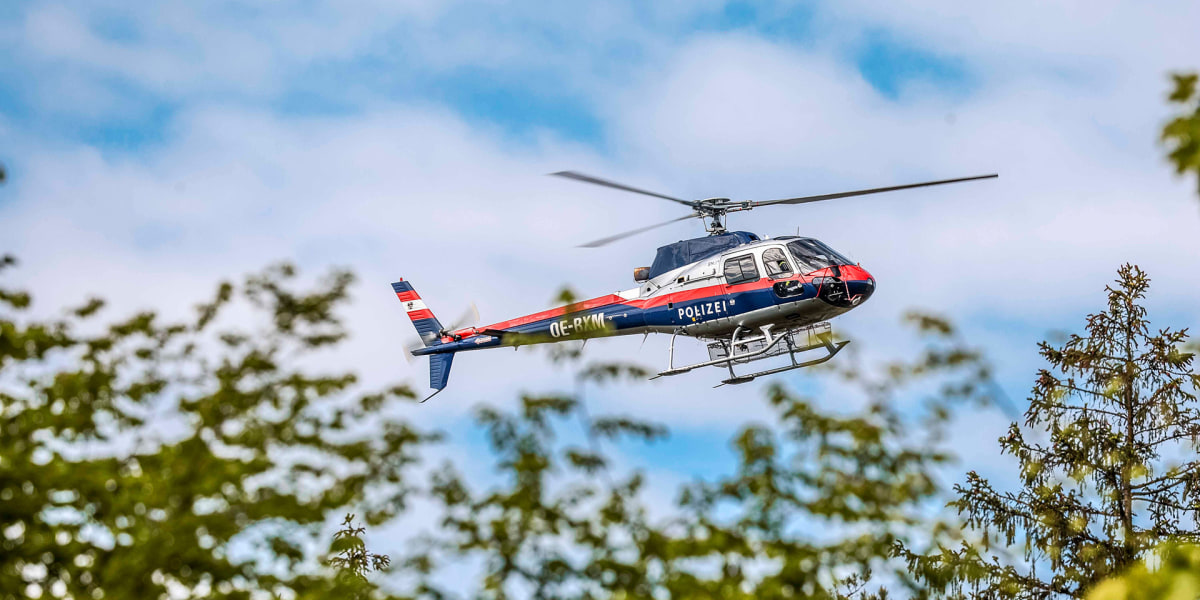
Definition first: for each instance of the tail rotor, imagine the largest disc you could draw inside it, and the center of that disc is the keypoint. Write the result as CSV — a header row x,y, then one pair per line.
x,y
470,317
432,333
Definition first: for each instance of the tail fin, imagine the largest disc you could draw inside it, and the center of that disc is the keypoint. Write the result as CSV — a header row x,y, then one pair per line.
x,y
427,325
439,370
430,330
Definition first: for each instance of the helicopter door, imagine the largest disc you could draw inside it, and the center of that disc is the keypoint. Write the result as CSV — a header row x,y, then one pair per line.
x,y
779,268
776,263
739,270
736,271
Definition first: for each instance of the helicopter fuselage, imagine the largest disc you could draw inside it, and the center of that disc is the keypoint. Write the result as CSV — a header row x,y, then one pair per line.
x,y
786,282
750,298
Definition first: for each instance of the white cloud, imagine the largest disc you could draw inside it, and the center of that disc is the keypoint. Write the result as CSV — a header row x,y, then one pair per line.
x,y
755,120
1064,106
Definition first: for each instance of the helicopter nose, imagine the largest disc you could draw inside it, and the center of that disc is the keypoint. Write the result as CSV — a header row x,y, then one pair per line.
x,y
859,283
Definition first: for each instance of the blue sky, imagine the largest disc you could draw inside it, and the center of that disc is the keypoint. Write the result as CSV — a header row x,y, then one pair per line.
x,y
519,97
154,148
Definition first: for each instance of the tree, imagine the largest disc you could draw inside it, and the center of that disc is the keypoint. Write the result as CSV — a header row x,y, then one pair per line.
x,y
1182,133
352,561
815,507
1115,475
1171,571
194,458
202,458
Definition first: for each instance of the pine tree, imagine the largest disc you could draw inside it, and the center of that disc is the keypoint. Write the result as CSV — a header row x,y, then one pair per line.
x,y
352,562
1108,467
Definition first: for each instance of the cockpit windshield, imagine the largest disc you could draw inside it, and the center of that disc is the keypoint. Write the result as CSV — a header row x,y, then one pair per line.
x,y
812,255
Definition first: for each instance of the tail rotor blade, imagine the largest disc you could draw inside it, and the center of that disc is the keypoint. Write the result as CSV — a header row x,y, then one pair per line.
x,y
469,317
409,348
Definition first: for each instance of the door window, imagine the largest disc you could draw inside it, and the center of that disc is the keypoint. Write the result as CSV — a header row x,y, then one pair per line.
x,y
740,269
776,263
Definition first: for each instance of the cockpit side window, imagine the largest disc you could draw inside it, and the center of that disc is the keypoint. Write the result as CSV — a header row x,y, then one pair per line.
x,y
776,263
740,269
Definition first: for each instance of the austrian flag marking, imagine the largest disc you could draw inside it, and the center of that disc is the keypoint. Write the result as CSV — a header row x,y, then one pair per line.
x,y
415,307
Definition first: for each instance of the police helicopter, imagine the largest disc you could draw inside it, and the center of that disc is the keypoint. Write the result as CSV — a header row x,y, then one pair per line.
x,y
747,298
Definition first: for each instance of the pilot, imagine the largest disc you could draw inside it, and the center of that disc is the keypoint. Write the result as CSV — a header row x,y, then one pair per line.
x,y
776,263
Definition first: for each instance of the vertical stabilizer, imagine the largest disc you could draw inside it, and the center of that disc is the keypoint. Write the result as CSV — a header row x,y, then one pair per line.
x,y
439,370
430,330
422,318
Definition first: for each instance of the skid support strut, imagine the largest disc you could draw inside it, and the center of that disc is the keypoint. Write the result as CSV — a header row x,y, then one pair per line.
x,y
766,336
765,345
830,346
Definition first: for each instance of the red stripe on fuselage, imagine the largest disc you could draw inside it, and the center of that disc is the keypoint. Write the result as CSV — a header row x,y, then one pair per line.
x,y
555,312
706,292
613,299
848,272
684,296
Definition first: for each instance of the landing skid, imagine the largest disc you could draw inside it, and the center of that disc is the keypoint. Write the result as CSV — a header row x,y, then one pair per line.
x,y
743,350
833,349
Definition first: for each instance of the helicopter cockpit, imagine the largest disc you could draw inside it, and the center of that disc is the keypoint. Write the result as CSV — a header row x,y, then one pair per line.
x,y
803,255
813,255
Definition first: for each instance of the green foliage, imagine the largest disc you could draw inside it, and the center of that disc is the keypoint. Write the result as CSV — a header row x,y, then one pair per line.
x,y
1110,473
1182,133
1172,572
143,457
352,561
816,507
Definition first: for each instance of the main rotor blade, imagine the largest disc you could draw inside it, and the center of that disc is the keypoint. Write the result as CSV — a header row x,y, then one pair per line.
x,y
619,186
806,199
612,238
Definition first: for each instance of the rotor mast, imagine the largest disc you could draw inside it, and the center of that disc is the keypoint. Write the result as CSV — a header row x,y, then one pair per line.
x,y
712,209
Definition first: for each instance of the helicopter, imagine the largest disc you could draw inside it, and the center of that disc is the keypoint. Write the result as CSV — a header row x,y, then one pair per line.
x,y
748,298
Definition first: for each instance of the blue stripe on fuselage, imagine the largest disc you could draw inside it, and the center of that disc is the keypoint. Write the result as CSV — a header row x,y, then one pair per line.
x,y
622,317
723,306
